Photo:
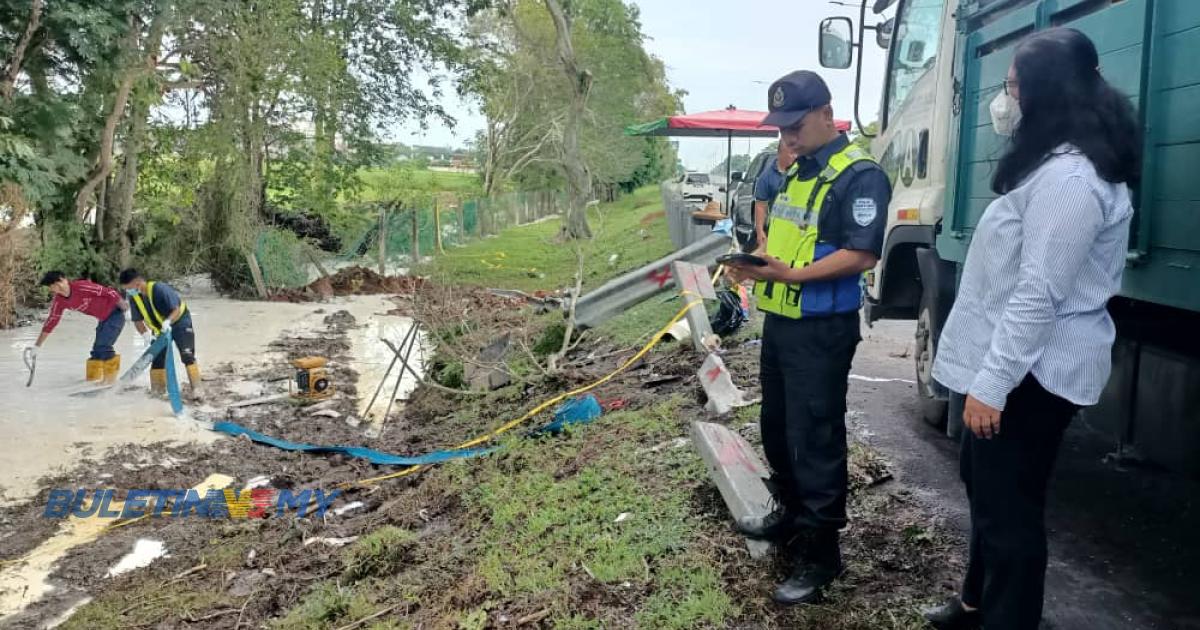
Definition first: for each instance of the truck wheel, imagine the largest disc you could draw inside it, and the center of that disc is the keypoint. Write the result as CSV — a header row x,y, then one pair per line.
x,y
933,410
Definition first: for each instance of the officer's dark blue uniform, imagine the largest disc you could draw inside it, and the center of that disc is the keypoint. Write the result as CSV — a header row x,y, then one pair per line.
x,y
835,198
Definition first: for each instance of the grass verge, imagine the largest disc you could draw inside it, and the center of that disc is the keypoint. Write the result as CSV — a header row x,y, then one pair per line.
x,y
628,234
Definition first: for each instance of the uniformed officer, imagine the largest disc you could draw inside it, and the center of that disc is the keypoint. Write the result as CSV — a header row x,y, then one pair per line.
x,y
827,229
160,308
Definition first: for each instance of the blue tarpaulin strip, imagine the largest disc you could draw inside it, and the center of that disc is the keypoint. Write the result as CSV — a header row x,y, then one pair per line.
x,y
371,455
172,384
580,410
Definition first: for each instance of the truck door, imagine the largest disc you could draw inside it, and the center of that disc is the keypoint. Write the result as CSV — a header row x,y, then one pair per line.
x,y
915,115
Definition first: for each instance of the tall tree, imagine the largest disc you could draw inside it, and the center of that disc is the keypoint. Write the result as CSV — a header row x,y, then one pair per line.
x,y
579,183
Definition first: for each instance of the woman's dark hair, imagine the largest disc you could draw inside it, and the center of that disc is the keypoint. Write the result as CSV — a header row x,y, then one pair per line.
x,y
1065,100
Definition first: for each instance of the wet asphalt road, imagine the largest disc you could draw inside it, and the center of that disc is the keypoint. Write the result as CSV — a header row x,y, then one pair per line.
x,y
1124,543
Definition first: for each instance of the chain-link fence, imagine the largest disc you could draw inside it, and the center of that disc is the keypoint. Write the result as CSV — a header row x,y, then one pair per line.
x,y
408,234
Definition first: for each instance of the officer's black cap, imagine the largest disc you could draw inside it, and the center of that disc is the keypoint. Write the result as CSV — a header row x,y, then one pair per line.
x,y
793,96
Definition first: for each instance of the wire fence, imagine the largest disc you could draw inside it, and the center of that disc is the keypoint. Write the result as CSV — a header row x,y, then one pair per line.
x,y
399,236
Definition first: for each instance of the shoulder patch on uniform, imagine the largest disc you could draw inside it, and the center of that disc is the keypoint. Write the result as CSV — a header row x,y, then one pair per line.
x,y
864,211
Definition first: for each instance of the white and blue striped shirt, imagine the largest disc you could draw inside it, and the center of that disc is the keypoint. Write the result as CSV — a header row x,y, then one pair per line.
x,y
1042,265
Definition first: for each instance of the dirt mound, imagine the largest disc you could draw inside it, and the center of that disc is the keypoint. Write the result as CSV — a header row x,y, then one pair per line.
x,y
355,280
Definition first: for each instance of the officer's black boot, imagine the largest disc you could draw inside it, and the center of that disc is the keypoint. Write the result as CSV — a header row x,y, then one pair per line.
x,y
778,525
818,564
952,616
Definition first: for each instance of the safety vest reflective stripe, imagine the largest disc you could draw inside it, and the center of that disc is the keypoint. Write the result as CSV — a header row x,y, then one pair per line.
x,y
154,323
794,231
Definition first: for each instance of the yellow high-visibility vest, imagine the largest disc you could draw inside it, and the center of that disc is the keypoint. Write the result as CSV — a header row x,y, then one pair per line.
x,y
793,239
155,323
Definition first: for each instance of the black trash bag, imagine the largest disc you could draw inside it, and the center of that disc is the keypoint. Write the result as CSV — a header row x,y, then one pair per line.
x,y
729,316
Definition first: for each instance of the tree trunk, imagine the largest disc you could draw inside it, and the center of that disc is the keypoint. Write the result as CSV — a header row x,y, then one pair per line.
x,y
105,154
13,69
578,179
119,202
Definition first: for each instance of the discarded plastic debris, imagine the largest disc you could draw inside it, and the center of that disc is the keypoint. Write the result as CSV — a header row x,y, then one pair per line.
x,y
675,443
332,542
578,410
258,482
680,330
259,401
326,413
730,315
144,552
338,511
872,379
622,517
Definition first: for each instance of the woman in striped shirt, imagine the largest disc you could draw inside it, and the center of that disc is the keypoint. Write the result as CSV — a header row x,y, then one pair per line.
x,y
1028,341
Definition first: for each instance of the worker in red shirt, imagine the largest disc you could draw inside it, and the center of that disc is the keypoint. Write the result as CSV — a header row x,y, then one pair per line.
x,y
97,300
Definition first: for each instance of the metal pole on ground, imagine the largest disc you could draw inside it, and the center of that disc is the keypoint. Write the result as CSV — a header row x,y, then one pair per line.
x,y
728,172
383,241
416,236
437,227
256,273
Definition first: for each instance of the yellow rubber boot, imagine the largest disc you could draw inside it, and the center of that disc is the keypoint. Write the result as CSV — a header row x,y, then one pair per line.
x,y
112,369
193,372
95,370
158,381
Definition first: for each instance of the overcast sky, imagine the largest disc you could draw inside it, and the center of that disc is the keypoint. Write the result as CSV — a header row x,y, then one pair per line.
x,y
722,53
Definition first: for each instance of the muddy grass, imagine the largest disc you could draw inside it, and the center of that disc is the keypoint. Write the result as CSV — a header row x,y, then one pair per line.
x,y
613,524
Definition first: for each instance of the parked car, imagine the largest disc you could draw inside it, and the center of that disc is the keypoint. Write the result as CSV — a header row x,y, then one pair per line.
x,y
697,186
742,198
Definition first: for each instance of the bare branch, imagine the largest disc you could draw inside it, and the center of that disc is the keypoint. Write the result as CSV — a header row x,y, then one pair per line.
x,y
13,68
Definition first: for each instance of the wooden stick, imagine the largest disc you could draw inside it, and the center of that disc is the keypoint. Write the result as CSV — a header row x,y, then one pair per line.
x,y
351,626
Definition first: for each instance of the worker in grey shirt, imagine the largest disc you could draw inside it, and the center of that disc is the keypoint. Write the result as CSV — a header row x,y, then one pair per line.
x,y
768,186
1028,341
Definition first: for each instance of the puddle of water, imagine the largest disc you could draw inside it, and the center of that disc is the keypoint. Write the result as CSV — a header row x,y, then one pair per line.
x,y
372,358
25,582
56,430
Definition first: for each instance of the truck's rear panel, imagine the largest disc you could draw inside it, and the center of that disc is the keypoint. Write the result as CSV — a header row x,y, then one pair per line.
x,y
1149,50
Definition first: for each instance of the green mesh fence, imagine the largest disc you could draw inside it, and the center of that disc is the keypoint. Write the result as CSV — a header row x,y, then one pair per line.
x,y
285,258
282,258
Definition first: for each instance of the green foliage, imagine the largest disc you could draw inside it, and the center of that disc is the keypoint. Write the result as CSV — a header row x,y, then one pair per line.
x,y
449,374
248,78
688,592
380,553
327,602
739,162
516,72
551,339
864,141
65,248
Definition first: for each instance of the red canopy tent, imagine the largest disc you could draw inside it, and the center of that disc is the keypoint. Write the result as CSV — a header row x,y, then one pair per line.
x,y
728,123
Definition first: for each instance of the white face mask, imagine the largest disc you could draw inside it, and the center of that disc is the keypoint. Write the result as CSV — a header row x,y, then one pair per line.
x,y
1006,114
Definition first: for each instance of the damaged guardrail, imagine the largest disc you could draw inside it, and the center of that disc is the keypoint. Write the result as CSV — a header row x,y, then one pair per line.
x,y
619,294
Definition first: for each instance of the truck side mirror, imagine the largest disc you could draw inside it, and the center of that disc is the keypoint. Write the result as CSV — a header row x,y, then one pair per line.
x,y
883,33
882,5
834,42
737,176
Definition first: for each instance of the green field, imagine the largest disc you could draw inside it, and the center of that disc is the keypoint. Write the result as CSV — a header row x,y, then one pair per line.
x,y
534,257
402,181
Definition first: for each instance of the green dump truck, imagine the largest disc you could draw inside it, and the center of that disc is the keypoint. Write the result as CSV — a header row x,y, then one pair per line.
x,y
947,59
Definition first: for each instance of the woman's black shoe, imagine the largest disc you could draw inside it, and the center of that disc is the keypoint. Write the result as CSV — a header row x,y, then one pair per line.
x,y
952,616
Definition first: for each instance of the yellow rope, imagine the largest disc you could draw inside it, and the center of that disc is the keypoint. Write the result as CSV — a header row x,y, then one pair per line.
x,y
542,407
